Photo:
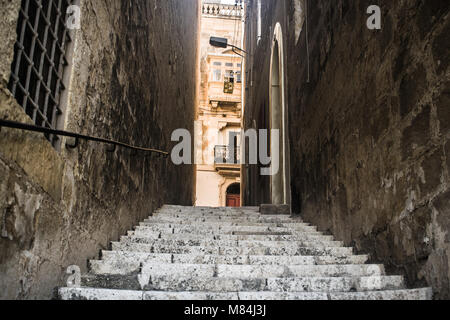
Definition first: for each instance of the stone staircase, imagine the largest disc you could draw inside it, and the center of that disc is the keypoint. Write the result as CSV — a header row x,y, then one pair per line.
x,y
194,253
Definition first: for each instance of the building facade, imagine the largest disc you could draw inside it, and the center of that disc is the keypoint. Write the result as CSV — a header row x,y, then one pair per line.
x,y
219,108
363,116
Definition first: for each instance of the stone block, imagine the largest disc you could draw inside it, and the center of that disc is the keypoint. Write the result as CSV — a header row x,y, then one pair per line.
x,y
443,109
442,205
412,89
417,134
447,156
441,50
432,168
9,16
275,209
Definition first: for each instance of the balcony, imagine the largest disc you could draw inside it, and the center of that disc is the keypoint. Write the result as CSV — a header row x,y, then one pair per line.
x,y
226,155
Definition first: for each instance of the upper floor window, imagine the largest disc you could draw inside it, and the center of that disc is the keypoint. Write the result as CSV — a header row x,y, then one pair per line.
x,y
229,82
238,77
229,75
218,64
40,60
216,75
228,64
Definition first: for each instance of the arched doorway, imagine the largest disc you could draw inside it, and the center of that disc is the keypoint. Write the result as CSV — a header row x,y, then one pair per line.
x,y
280,180
234,195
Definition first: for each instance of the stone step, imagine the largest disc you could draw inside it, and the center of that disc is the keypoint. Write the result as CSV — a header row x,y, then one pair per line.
x,y
201,253
92,294
292,250
231,243
218,224
216,284
206,209
260,236
203,208
240,220
108,294
223,214
134,259
236,271
216,229
412,295
191,296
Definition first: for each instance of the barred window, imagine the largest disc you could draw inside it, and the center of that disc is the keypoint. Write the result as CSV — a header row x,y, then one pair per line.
x,y
40,60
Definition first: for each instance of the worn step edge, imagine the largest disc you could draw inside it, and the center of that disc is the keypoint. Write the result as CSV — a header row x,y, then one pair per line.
x,y
291,251
136,258
145,231
231,237
235,271
422,294
224,227
232,243
304,284
115,295
184,224
242,220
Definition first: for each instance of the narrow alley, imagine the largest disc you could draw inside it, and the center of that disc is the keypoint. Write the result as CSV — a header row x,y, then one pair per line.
x,y
224,150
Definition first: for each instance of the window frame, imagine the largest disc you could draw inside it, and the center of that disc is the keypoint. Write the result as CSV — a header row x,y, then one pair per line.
x,y
38,79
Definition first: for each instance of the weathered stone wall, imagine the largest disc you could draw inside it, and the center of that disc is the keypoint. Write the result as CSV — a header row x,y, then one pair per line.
x,y
369,132
8,24
133,80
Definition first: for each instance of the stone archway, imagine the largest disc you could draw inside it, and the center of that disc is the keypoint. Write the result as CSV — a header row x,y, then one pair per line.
x,y
280,181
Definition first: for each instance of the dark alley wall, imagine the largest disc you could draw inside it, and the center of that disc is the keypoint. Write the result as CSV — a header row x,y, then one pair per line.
x,y
133,80
369,132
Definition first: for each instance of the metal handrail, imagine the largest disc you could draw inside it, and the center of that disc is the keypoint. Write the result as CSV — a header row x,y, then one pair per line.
x,y
77,136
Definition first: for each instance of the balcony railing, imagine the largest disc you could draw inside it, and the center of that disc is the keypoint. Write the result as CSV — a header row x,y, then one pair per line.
x,y
227,155
223,9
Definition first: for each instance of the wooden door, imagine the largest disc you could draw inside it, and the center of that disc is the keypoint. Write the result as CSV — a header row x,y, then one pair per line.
x,y
233,200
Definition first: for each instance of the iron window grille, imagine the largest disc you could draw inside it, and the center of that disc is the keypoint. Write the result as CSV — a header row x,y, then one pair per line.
x,y
40,59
